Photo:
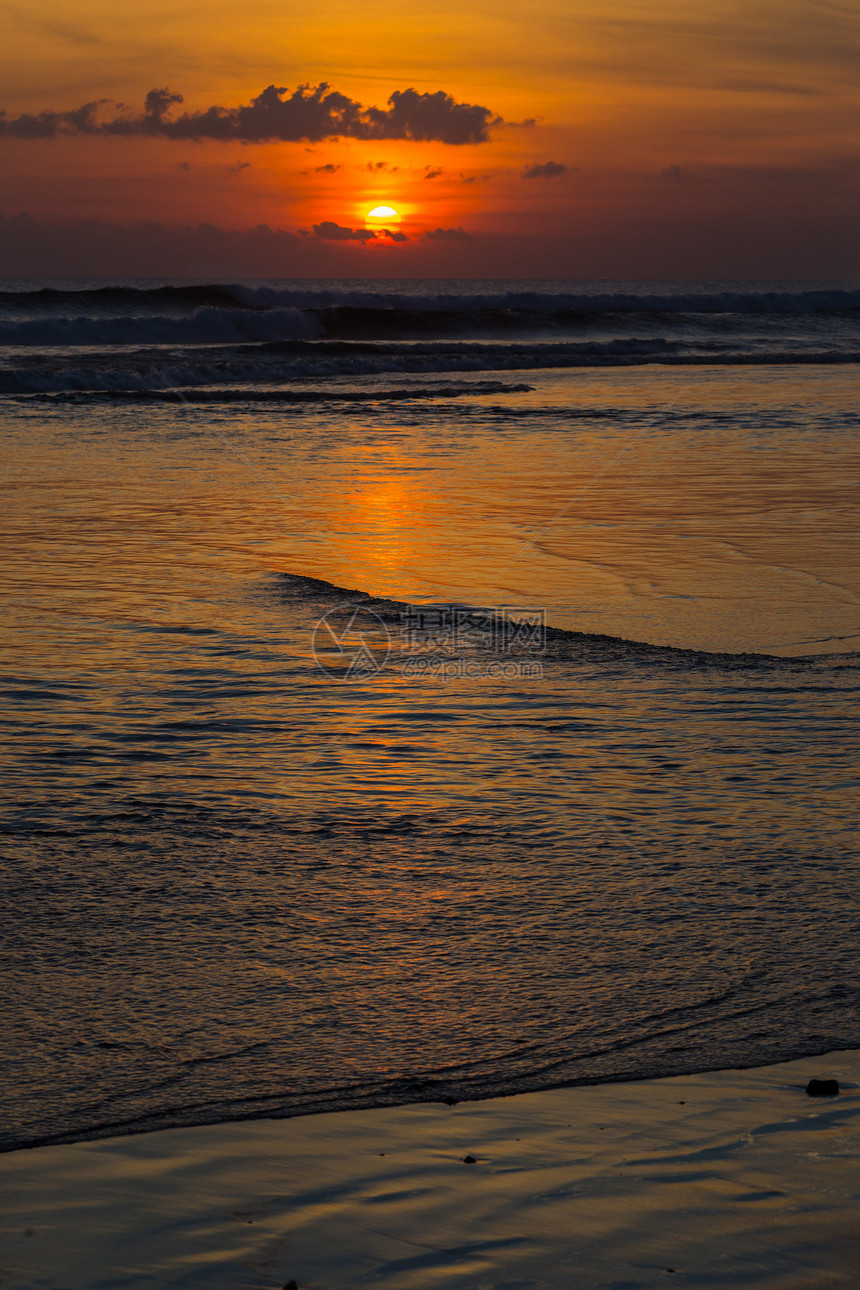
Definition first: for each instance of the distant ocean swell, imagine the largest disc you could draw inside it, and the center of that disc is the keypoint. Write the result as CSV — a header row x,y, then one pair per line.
x,y
192,297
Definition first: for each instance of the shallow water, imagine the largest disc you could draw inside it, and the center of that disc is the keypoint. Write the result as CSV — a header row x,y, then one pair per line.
x,y
241,885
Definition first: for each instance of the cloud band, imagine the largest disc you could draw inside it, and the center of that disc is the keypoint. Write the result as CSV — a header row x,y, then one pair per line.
x,y
310,113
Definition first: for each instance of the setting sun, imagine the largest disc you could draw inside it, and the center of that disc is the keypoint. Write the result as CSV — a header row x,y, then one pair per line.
x,y
381,215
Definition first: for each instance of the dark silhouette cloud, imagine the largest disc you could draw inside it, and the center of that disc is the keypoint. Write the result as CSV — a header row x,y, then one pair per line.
x,y
240,165
675,173
428,118
328,169
328,231
157,102
311,112
94,248
432,172
447,235
545,170
331,232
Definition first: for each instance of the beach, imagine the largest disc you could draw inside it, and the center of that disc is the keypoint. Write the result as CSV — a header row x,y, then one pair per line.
x,y
430,658
436,736
731,1178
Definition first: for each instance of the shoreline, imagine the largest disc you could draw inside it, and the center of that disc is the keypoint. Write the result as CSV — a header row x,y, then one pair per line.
x,y
731,1177
441,1095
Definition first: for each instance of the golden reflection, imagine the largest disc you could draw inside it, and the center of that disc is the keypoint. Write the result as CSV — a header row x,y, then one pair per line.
x,y
387,514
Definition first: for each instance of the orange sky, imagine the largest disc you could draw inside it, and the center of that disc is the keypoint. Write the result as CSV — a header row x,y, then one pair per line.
x,y
710,121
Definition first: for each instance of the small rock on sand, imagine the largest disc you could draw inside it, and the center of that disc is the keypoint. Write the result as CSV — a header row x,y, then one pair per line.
x,y
822,1087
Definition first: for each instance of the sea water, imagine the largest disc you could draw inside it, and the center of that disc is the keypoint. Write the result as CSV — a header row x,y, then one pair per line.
x,y
422,691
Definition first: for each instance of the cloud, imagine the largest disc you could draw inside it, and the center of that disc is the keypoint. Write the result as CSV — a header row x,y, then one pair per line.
x,y
430,117
675,173
331,232
473,179
447,235
311,112
328,169
328,231
185,165
545,170
432,172
240,165
94,248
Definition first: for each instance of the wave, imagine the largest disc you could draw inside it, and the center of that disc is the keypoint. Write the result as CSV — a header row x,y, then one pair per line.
x,y
448,390
588,327
205,326
544,302
153,373
190,296
265,298
560,644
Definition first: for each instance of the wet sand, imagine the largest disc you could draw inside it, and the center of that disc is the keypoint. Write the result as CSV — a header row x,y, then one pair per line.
x,y
734,1178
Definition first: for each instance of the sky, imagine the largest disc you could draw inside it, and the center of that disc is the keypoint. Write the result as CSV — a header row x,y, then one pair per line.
x,y
566,138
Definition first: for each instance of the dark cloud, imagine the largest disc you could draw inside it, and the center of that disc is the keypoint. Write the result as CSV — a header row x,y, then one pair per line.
x,y
428,118
312,112
331,232
240,165
185,165
675,173
397,236
94,248
46,125
432,172
473,179
447,235
545,170
328,169
157,102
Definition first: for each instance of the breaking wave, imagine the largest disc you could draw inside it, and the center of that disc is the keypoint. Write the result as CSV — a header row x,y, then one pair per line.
x,y
154,373
319,597
138,341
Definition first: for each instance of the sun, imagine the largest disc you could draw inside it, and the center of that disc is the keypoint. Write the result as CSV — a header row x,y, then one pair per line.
x,y
381,217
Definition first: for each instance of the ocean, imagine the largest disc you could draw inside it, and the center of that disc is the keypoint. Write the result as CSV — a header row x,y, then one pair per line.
x,y
422,691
